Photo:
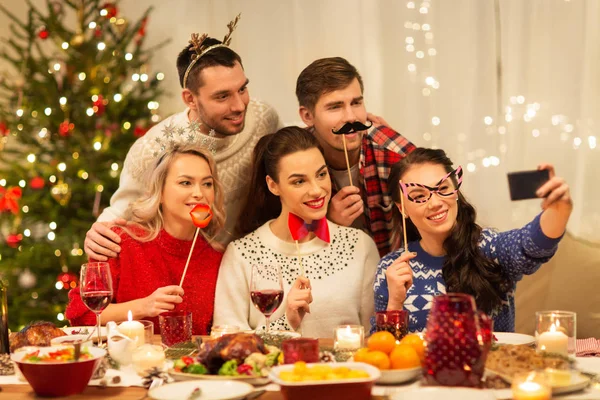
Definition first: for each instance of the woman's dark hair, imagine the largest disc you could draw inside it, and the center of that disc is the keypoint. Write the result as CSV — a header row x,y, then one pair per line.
x,y
262,205
466,269
222,56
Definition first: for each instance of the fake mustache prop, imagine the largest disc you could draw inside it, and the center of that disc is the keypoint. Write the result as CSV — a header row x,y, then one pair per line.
x,y
351,127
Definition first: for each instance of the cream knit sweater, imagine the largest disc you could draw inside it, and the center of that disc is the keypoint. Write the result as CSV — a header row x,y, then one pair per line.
x,y
341,275
233,156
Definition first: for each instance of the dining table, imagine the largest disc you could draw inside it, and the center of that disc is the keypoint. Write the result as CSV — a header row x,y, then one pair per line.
x,y
93,391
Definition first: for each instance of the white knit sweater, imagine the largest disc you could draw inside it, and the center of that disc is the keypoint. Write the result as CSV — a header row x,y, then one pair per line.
x,y
341,276
233,156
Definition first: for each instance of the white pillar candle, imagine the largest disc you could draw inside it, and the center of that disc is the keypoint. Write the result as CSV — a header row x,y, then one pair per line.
x,y
133,330
553,341
348,338
147,357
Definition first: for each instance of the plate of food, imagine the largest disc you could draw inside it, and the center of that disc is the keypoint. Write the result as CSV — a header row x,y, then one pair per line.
x,y
510,360
238,357
201,390
86,330
513,338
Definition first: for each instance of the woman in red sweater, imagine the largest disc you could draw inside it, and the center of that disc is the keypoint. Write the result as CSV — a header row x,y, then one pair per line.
x,y
156,244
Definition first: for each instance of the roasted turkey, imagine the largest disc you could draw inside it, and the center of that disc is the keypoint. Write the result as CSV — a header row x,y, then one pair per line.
x,y
235,346
35,334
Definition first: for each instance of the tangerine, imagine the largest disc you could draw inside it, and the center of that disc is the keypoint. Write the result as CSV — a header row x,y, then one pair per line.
x,y
413,340
378,359
360,355
404,357
382,341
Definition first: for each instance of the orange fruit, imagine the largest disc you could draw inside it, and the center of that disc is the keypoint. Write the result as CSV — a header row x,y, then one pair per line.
x,y
361,354
414,341
404,357
382,341
378,359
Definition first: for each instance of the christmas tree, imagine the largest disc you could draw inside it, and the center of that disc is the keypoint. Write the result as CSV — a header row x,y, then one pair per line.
x,y
77,94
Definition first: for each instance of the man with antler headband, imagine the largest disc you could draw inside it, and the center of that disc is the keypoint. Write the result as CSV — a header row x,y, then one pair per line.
x,y
330,93
219,115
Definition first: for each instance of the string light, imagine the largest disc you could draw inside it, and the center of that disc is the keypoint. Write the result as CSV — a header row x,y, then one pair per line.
x,y
144,77
25,209
101,46
97,146
92,25
65,45
27,232
19,112
62,101
160,76
114,167
592,142
117,97
126,125
22,183
51,236
52,178
31,158
48,111
2,182
128,56
135,77
81,76
52,225
62,167
89,111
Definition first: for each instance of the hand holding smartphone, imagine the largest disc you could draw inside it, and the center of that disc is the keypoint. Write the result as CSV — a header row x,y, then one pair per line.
x,y
524,184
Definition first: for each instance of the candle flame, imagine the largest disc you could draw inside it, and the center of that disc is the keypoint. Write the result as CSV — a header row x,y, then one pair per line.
x,y
348,330
552,328
129,316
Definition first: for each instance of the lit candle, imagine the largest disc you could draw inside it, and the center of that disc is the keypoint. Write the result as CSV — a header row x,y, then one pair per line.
x,y
147,357
529,390
349,337
553,341
132,329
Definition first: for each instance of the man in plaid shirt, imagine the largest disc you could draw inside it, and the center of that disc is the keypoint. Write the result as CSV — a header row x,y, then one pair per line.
x,y
330,94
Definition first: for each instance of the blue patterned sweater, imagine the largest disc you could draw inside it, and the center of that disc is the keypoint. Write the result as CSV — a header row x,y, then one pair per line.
x,y
518,252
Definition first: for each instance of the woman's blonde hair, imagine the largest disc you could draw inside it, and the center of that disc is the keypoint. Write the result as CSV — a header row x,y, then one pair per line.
x,y
146,212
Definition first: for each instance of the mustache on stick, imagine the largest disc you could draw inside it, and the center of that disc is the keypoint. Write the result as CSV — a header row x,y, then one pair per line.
x,y
351,127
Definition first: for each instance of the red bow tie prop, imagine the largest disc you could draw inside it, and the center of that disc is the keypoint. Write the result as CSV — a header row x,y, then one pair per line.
x,y
299,229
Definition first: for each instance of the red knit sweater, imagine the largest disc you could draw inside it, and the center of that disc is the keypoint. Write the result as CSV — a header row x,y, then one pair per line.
x,y
143,267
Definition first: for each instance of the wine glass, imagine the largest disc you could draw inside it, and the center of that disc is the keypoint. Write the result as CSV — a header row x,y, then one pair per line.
x,y
96,289
266,290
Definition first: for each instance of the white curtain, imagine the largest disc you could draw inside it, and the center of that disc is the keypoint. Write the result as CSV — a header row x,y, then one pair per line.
x,y
501,85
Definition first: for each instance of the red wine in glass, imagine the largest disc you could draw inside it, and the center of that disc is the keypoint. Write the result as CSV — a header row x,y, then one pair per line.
x,y
97,301
96,289
266,290
267,301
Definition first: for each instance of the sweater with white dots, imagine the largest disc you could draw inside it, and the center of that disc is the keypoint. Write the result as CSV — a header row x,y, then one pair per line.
x,y
518,252
341,277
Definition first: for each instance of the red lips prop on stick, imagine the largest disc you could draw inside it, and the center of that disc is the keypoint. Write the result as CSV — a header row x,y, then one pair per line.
x,y
201,216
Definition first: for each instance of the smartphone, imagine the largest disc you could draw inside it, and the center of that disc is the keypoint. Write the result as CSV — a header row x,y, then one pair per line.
x,y
524,184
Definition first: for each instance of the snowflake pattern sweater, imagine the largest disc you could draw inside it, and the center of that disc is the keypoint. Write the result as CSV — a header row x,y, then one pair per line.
x,y
518,252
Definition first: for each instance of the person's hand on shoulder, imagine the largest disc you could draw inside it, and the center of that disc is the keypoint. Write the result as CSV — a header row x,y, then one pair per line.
x,y
298,301
345,206
101,242
377,120
399,278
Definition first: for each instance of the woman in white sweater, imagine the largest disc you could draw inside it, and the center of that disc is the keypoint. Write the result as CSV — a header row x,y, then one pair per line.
x,y
290,177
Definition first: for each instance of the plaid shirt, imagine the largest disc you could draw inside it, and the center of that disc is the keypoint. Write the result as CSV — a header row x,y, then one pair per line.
x,y
381,148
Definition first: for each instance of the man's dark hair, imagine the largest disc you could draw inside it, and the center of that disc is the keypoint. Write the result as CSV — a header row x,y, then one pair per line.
x,y
324,76
218,56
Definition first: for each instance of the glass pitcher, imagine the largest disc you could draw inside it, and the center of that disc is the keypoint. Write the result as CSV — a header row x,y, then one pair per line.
x,y
458,339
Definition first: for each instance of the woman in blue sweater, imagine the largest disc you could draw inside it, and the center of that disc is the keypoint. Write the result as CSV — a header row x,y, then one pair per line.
x,y
449,252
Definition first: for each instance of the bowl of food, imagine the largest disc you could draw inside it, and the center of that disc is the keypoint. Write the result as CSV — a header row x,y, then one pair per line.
x,y
319,381
84,340
52,371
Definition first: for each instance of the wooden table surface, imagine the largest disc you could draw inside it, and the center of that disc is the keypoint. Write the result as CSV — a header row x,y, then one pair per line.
x,y
22,392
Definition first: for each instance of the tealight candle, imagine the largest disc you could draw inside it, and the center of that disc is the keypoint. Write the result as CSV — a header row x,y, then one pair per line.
x,y
146,357
531,391
220,330
133,329
349,337
553,341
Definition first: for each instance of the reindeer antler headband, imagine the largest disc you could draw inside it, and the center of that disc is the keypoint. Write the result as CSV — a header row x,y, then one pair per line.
x,y
200,49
